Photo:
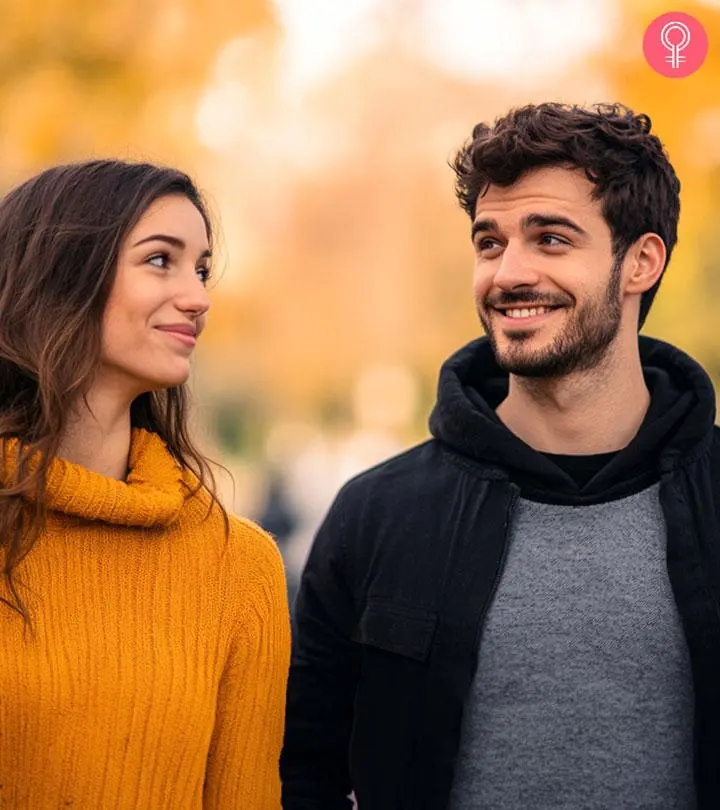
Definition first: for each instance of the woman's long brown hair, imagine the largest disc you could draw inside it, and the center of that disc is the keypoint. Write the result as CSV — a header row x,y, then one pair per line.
x,y
60,237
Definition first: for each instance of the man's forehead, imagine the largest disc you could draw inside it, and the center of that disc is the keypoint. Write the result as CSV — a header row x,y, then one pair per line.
x,y
565,190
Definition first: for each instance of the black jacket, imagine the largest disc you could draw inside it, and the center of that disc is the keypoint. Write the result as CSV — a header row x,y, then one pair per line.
x,y
393,597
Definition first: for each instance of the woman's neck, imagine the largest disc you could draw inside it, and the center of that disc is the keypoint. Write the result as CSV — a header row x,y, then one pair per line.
x,y
98,437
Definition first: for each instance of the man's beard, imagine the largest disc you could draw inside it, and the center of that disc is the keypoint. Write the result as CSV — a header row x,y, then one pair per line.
x,y
579,346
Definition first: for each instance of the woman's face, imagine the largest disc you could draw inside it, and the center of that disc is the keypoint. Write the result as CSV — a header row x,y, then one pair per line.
x,y
158,303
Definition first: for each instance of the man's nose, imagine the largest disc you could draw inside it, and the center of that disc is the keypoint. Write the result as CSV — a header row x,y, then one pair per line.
x,y
516,268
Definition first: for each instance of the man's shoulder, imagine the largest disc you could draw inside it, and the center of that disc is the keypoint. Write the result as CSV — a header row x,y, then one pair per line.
x,y
711,455
416,457
715,448
424,470
388,506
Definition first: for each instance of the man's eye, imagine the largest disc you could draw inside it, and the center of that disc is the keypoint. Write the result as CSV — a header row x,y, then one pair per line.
x,y
159,260
551,240
486,244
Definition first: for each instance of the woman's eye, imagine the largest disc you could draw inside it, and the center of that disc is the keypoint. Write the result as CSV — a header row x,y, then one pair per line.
x,y
159,260
204,274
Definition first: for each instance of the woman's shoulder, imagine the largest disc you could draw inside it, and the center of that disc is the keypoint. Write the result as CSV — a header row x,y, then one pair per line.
x,y
252,557
250,540
241,545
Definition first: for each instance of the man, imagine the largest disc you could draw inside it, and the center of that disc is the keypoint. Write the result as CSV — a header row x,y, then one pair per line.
x,y
524,611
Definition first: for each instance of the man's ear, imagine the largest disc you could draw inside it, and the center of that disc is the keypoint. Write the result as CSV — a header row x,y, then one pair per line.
x,y
644,263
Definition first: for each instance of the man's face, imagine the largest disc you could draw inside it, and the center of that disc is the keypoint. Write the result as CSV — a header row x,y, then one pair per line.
x,y
547,289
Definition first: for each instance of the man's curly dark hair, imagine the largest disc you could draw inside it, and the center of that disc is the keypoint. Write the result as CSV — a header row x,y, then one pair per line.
x,y
633,177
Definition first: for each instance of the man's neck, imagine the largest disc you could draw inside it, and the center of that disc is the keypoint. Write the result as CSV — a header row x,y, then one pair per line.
x,y
584,414
98,438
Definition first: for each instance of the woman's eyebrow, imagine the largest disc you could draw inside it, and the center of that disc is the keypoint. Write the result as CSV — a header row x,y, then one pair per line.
x,y
175,241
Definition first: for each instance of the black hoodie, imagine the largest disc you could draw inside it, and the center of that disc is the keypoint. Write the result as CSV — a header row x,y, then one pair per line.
x,y
389,616
680,420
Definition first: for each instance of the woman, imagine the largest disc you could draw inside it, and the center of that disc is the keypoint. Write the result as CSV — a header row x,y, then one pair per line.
x,y
144,633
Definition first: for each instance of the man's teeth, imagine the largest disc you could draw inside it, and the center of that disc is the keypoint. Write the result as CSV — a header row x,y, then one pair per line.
x,y
527,313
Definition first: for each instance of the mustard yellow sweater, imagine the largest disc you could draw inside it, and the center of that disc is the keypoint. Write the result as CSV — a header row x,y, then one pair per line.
x,y
155,673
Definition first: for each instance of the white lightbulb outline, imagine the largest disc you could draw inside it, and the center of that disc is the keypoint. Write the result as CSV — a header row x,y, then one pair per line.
x,y
675,47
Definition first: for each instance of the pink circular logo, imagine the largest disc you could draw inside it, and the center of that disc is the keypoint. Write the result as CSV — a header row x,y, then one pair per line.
x,y
675,44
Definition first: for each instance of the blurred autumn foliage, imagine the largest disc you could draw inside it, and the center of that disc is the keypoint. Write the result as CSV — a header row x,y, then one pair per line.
x,y
686,114
342,246
81,77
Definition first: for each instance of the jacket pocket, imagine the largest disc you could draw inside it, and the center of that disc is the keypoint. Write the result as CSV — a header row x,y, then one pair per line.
x,y
397,629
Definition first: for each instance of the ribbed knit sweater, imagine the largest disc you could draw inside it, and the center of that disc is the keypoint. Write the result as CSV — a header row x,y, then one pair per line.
x,y
154,674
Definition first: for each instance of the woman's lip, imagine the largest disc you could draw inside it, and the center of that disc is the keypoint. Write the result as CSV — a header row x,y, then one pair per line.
x,y
183,337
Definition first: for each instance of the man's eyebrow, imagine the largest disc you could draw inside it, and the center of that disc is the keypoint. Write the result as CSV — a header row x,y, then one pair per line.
x,y
175,241
530,221
485,226
552,221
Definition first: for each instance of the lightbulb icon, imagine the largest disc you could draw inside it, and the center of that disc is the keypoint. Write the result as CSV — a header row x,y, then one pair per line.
x,y
674,43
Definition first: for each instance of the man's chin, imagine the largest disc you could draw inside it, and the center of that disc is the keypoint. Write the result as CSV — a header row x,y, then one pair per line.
x,y
525,353
528,363
522,346
538,372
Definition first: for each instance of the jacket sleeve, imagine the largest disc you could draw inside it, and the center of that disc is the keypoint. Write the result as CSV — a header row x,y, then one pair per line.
x,y
243,769
323,675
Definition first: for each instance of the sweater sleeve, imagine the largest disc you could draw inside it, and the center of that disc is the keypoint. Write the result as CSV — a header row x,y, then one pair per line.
x,y
243,763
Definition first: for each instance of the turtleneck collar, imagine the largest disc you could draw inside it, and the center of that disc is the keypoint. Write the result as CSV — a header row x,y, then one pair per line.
x,y
152,495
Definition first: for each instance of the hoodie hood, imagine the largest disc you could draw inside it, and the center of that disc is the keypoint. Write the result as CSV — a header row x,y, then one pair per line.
x,y
678,425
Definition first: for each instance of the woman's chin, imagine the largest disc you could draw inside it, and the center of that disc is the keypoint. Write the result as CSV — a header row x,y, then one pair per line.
x,y
162,382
